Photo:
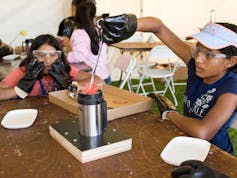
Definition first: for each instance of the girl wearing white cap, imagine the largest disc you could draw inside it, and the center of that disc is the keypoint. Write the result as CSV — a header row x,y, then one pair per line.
x,y
210,98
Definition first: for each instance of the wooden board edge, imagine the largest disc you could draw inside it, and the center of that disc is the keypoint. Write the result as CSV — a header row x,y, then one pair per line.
x,y
65,143
107,150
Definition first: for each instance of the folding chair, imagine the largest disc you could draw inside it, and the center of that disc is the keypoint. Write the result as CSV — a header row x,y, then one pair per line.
x,y
126,64
110,52
160,54
180,64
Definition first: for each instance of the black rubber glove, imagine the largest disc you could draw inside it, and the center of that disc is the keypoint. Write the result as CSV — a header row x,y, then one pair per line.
x,y
4,51
118,28
163,103
59,73
196,169
34,72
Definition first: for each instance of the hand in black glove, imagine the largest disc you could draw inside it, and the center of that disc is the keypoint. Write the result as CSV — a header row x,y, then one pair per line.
x,y
4,51
60,74
118,28
164,104
34,71
195,169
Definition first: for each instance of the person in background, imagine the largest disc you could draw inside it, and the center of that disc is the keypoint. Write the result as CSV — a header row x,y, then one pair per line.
x,y
210,98
45,69
5,49
77,2
86,46
65,29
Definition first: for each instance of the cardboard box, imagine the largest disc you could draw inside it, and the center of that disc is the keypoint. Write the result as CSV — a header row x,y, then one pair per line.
x,y
120,103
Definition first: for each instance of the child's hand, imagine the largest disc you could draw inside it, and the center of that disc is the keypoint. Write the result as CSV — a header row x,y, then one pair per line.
x,y
164,104
33,73
59,73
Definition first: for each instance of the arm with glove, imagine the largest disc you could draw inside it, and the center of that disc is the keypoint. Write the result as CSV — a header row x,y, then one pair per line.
x,y
34,71
192,126
121,27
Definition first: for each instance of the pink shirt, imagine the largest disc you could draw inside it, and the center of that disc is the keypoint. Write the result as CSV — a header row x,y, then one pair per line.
x,y
81,52
48,82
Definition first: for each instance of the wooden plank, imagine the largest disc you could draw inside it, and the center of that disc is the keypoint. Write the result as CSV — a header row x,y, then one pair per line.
x,y
120,103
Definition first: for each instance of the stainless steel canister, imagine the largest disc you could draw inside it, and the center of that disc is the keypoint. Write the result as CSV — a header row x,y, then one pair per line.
x,y
92,114
26,45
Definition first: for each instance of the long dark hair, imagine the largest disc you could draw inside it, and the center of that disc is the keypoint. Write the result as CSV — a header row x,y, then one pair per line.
x,y
41,40
77,2
230,50
85,15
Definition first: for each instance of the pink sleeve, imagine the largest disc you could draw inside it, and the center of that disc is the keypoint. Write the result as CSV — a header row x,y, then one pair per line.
x,y
14,77
79,43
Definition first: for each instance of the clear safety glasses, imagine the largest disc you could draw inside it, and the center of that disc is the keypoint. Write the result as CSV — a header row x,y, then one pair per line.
x,y
197,50
41,54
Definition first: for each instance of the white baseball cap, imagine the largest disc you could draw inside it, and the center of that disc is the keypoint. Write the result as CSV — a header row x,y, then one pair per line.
x,y
215,36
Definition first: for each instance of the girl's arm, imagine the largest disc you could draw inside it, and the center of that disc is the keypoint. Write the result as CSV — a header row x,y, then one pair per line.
x,y
6,92
211,123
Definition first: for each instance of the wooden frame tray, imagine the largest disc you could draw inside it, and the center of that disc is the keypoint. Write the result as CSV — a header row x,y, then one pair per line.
x,y
120,103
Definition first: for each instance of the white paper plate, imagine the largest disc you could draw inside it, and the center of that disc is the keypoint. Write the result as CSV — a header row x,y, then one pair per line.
x,y
19,118
182,148
11,57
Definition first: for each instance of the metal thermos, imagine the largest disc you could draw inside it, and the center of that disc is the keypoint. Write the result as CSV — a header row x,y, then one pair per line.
x,y
92,114
26,45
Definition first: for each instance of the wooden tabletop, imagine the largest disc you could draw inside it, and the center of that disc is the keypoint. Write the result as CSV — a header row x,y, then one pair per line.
x,y
31,152
136,46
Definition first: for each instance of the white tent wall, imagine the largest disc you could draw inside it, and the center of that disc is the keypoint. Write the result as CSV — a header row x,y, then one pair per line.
x,y
43,16
35,17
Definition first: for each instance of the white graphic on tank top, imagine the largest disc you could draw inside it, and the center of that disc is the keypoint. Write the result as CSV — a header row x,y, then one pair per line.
x,y
201,104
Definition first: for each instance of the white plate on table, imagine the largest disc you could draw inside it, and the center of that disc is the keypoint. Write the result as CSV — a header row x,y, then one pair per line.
x,y
19,118
182,148
11,57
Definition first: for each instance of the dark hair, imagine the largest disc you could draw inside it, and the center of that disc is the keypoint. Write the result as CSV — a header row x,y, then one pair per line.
x,y
67,26
77,2
230,50
41,40
85,15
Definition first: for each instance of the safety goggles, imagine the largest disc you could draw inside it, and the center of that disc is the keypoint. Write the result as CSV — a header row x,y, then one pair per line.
x,y
43,54
197,50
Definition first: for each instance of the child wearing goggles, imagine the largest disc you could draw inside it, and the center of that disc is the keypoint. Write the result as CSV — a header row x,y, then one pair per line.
x,y
45,69
210,98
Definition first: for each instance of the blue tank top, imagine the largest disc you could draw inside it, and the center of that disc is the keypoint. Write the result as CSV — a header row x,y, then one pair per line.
x,y
199,98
